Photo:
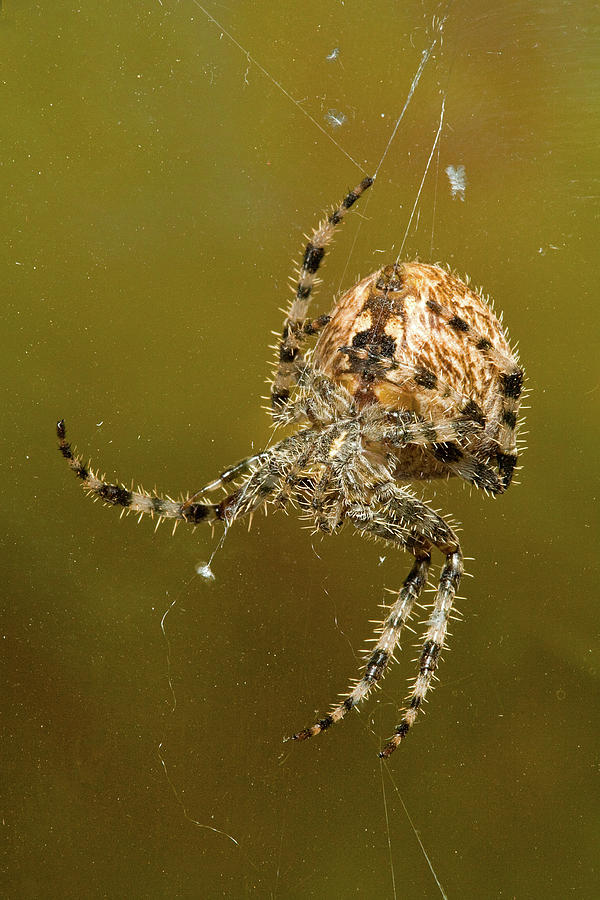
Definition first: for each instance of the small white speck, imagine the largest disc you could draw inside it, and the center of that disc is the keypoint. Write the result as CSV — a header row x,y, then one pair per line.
x,y
458,181
205,571
335,118
334,54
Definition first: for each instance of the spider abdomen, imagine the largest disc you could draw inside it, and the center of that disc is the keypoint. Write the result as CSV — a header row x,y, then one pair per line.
x,y
414,337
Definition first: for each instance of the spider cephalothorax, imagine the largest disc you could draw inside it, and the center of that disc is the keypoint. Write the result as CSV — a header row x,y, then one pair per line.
x,y
411,378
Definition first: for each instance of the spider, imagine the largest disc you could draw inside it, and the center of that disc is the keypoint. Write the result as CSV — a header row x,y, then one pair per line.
x,y
411,378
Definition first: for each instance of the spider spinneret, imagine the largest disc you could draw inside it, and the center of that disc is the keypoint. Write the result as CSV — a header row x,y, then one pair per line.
x,y
411,378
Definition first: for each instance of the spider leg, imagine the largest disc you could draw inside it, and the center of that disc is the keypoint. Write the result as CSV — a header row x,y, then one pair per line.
x,y
389,638
295,329
321,400
433,644
404,521
326,503
136,501
294,479
318,490
426,525
232,474
253,492
446,438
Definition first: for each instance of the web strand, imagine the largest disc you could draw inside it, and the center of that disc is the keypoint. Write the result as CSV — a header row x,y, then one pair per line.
x,y
278,85
387,827
413,86
417,835
418,197
417,77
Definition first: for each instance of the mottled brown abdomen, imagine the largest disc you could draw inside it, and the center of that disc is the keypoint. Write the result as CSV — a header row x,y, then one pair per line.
x,y
412,317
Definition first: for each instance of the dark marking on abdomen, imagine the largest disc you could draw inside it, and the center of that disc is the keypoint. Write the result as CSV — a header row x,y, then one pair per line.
x,y
512,385
426,379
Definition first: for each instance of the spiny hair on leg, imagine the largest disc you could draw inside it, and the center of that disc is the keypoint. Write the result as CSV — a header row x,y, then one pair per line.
x,y
139,501
378,658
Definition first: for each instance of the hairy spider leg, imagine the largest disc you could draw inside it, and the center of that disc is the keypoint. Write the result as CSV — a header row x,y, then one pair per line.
x,y
428,526
377,660
294,331
445,440
322,388
328,501
232,474
406,522
433,644
295,479
446,448
254,491
260,487
320,401
135,501
323,400
298,481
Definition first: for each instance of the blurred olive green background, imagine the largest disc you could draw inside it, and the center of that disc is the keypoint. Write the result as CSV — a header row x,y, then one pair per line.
x,y
156,186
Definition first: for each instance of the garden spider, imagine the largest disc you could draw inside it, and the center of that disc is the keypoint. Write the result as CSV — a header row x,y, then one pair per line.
x,y
411,378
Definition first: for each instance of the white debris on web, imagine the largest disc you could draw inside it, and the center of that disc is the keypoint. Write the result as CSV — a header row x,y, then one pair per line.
x,y
205,571
335,118
458,181
333,55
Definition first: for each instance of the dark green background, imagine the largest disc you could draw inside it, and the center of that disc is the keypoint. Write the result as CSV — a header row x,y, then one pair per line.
x,y
155,188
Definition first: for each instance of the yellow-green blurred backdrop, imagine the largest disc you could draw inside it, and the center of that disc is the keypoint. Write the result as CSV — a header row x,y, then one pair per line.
x,y
155,187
